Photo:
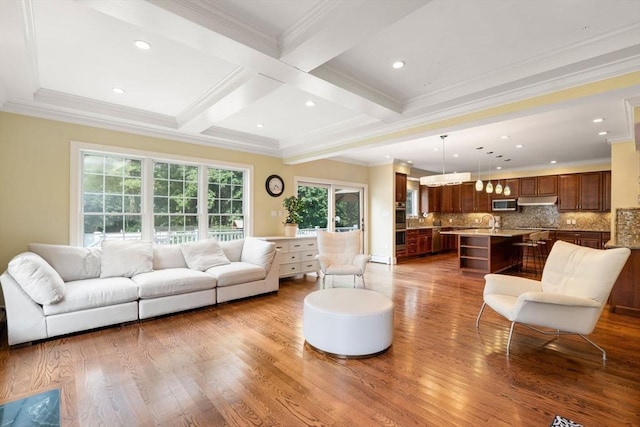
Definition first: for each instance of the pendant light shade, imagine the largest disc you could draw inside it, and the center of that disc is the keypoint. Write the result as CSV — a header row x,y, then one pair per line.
x,y
479,185
489,188
499,188
507,190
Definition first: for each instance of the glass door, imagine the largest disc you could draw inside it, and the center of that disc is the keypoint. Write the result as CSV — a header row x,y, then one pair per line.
x,y
330,207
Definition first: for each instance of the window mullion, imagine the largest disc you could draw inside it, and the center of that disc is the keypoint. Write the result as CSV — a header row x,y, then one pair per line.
x,y
147,199
203,219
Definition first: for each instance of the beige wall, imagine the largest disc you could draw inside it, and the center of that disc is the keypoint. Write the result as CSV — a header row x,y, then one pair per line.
x,y
381,220
35,177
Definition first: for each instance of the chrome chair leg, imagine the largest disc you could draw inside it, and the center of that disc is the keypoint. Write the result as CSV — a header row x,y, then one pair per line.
x,y
480,314
510,335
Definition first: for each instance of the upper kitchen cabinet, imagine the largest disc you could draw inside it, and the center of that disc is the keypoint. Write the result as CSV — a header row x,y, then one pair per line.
x,y
606,191
472,200
401,187
430,199
581,192
514,187
450,199
539,186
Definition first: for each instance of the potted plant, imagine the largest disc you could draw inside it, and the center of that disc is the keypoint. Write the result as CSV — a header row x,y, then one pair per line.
x,y
294,206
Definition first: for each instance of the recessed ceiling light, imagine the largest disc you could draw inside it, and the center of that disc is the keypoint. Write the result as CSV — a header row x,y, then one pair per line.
x,y
398,64
141,44
519,146
456,155
409,161
387,156
309,103
553,162
436,149
604,132
118,90
498,167
260,125
598,120
505,137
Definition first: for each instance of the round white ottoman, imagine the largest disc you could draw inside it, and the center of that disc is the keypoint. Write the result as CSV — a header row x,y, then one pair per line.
x,y
348,321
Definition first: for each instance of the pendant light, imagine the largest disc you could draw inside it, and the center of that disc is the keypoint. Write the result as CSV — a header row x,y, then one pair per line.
x,y
479,184
499,188
507,189
489,187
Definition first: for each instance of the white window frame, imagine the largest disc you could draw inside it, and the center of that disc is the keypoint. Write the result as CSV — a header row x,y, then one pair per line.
x,y
148,157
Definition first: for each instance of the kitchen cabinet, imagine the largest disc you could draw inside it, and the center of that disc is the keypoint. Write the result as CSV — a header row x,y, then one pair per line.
x,y
418,242
472,200
430,199
591,239
450,199
401,187
448,241
606,191
580,192
539,186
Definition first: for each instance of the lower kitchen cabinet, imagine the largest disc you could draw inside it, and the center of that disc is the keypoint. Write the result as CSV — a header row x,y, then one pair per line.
x,y
419,241
591,239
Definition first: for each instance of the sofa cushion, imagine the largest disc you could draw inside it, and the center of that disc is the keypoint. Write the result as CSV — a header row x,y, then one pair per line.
x,y
37,278
168,256
125,258
172,281
93,293
233,249
71,262
237,272
258,252
203,254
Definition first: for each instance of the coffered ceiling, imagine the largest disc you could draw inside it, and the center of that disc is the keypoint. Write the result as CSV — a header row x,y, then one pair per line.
x,y
239,73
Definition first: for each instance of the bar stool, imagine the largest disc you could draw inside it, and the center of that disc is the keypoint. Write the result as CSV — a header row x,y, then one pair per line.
x,y
543,246
527,250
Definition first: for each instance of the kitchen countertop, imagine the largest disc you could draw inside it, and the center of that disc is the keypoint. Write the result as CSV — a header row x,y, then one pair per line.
x,y
469,227
499,232
630,242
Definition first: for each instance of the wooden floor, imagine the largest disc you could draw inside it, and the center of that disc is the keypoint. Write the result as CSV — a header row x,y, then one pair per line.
x,y
245,363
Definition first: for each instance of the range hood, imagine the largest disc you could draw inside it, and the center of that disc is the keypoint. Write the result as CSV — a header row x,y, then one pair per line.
x,y
537,201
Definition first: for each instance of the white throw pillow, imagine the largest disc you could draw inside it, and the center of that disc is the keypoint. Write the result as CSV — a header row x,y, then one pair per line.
x,y
37,278
233,249
126,258
71,262
258,252
203,254
168,256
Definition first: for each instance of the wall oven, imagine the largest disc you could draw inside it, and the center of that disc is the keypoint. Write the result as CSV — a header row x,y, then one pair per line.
x,y
401,216
401,240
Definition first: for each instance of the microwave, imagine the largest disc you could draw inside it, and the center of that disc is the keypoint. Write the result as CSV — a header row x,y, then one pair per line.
x,y
504,205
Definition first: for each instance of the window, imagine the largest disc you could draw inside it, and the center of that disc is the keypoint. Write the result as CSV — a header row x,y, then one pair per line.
x,y
138,196
412,202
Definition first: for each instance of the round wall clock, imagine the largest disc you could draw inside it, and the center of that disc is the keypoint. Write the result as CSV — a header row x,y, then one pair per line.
x,y
274,185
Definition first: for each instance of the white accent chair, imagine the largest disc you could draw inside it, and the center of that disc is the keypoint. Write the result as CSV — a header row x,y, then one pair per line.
x,y
575,285
341,254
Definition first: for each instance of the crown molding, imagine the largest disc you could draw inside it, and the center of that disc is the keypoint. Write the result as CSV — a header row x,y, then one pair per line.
x,y
226,140
297,33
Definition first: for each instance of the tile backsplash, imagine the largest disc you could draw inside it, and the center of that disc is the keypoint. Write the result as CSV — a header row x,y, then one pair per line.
x,y
628,222
527,216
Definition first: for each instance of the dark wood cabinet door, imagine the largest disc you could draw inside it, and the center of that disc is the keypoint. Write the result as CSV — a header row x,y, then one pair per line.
x,y
547,185
606,191
401,187
568,193
483,201
467,197
446,202
590,191
528,186
455,196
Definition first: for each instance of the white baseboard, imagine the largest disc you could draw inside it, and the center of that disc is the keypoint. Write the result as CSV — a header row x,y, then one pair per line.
x,y
381,259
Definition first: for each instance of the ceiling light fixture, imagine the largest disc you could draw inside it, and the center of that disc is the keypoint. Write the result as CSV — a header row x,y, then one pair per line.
x,y
519,146
479,183
505,137
398,64
598,120
604,132
553,162
445,178
260,125
118,90
310,103
142,45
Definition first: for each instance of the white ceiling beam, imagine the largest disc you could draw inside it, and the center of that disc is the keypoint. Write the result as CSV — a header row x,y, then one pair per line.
x,y
174,21
243,96
334,27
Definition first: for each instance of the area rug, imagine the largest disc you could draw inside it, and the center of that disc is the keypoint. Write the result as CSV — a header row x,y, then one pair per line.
x,y
559,421
42,409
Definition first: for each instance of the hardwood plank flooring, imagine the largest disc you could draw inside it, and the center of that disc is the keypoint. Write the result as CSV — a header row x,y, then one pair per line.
x,y
245,363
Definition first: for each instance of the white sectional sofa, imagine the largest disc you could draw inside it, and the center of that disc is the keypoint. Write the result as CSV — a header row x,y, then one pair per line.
x,y
53,290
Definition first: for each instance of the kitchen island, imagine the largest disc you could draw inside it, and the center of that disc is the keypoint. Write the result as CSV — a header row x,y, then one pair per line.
x,y
483,250
625,296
